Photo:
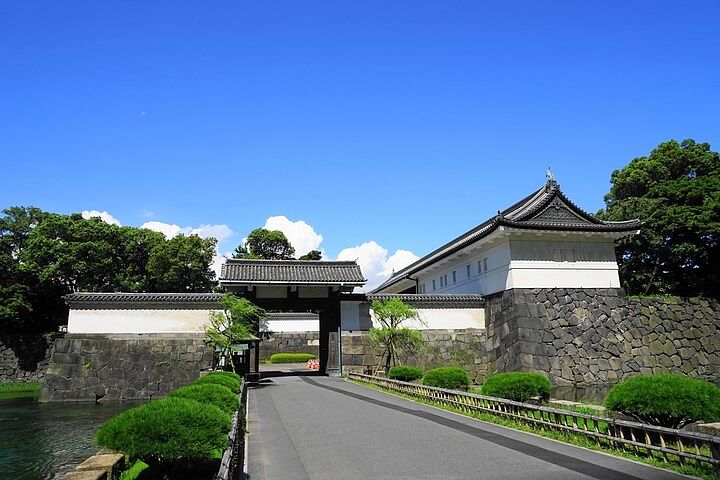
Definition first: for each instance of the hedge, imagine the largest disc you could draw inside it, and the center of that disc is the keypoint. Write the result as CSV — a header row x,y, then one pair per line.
x,y
291,357
667,400
220,379
170,434
213,394
405,373
518,386
447,377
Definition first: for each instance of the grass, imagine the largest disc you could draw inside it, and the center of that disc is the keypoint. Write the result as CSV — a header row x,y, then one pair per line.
x,y
291,357
134,471
19,390
703,470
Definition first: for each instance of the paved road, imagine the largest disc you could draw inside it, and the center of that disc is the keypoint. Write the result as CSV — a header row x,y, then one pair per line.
x,y
319,428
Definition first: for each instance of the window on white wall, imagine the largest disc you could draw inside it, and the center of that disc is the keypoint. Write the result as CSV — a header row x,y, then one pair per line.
x,y
467,269
479,267
433,284
445,280
485,265
454,276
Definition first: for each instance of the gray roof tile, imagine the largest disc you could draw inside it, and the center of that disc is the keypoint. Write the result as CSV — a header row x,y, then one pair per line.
x,y
291,272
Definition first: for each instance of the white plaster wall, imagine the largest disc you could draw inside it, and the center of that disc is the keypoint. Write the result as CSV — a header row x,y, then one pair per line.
x,y
483,283
444,318
137,321
292,326
563,263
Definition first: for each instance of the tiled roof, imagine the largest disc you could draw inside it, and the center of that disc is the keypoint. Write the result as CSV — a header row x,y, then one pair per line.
x,y
432,301
89,300
426,298
301,272
545,209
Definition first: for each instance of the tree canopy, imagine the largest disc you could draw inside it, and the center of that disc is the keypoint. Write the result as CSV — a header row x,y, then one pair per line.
x,y
266,244
312,255
391,336
675,191
46,255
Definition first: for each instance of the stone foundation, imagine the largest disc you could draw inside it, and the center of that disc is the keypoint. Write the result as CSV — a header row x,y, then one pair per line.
x,y
24,357
600,336
290,342
130,367
461,348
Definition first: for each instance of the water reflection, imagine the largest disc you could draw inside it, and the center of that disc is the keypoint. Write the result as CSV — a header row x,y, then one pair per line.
x,y
44,441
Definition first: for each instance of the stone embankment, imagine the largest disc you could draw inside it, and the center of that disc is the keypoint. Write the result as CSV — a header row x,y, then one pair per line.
x,y
95,368
24,357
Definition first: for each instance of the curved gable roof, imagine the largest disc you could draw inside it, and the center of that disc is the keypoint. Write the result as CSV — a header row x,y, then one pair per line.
x,y
545,209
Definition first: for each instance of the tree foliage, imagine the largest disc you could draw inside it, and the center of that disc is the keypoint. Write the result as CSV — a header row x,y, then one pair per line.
x,y
265,244
45,255
312,255
675,191
391,336
239,320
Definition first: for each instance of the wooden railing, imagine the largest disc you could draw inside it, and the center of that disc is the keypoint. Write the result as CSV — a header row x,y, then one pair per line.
x,y
641,439
232,463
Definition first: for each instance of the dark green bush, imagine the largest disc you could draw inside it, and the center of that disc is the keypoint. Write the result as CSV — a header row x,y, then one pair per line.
x,y
518,386
667,400
170,434
447,377
224,380
291,357
405,373
213,394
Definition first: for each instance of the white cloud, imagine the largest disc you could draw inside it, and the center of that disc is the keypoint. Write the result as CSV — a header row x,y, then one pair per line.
x,y
104,216
375,263
220,232
301,235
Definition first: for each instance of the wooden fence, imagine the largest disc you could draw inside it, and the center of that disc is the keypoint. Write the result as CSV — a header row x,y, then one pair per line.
x,y
232,465
641,439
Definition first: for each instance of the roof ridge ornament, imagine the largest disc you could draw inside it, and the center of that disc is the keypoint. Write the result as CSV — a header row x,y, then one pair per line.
x,y
550,177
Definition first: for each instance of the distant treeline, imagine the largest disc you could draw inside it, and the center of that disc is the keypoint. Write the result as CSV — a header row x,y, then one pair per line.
x,y
46,255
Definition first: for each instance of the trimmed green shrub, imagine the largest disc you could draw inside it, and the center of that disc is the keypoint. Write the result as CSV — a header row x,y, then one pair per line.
x,y
224,380
667,400
447,377
518,386
170,434
405,373
210,393
222,373
291,357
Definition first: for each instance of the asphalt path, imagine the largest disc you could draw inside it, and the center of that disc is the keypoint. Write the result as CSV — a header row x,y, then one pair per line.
x,y
320,428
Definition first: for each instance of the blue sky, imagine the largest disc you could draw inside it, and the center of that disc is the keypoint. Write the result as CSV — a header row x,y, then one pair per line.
x,y
400,123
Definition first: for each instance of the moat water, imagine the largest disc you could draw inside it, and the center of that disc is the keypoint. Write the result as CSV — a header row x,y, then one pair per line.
x,y
45,441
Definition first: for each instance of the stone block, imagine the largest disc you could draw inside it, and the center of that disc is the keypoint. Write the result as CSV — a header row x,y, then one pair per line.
x,y
86,475
110,463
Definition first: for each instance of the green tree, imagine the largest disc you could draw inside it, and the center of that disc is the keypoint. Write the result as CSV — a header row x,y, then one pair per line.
x,y
675,191
27,304
182,264
265,244
239,320
312,255
391,336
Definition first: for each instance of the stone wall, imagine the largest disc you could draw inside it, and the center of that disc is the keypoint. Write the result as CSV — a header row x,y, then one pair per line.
x,y
290,342
600,336
24,357
97,367
462,348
